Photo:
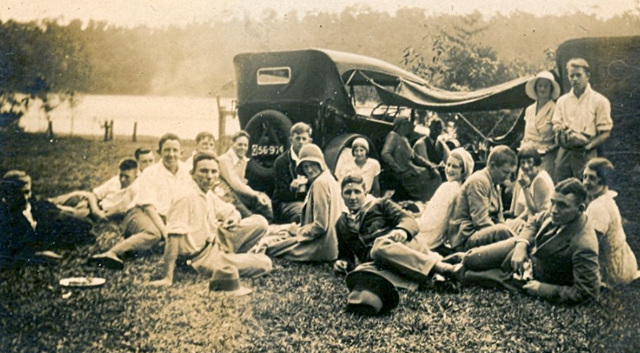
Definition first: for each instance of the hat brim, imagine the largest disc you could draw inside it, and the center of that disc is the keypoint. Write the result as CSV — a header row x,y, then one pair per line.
x,y
316,160
530,88
377,284
236,293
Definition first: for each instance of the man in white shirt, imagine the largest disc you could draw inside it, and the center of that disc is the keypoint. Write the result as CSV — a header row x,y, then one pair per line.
x,y
582,122
107,200
201,228
157,188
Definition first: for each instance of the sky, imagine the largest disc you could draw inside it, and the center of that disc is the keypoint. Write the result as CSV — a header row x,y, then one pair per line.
x,y
160,13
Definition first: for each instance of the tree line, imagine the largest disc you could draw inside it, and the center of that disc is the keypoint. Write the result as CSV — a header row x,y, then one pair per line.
x,y
196,59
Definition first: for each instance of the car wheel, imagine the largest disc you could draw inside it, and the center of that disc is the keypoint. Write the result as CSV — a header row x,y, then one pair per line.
x,y
269,131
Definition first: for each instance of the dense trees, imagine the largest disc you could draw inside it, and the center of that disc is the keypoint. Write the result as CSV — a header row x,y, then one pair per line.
x,y
196,59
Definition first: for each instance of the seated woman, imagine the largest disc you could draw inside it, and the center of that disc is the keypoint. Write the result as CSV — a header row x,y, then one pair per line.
x,y
361,164
618,263
417,178
533,189
434,221
233,186
315,239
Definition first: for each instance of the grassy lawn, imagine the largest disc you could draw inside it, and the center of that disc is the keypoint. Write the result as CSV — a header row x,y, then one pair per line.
x,y
298,308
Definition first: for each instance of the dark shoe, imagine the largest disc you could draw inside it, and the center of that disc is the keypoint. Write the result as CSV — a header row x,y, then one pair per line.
x,y
108,260
454,258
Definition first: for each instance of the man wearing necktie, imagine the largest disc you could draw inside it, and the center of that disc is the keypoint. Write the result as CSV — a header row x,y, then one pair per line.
x,y
560,245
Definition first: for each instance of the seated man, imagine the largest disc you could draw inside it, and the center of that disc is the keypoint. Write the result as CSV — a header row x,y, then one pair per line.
x,y
559,247
110,199
233,186
431,147
379,230
29,226
157,188
291,188
479,204
205,142
144,157
199,223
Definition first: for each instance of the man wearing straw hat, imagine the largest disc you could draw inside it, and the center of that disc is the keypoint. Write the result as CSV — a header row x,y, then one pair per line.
x,y
582,122
201,228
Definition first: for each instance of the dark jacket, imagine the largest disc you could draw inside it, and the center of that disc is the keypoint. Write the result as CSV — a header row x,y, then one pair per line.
x,y
285,168
377,218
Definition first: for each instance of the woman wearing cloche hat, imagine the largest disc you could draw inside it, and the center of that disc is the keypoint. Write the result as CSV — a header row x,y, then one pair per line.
x,y
538,130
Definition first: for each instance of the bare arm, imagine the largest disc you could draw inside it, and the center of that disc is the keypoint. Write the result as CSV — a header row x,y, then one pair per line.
x,y
234,181
598,140
169,265
155,217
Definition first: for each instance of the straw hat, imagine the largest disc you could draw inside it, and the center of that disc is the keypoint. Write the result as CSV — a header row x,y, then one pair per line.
x,y
530,87
370,293
227,280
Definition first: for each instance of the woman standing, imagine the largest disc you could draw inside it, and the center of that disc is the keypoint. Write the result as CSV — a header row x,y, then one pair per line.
x,y
538,129
617,262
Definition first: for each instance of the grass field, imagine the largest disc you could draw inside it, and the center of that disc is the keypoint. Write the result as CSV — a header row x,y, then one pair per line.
x,y
298,308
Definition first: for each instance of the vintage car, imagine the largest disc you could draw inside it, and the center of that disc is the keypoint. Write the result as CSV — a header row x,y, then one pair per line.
x,y
342,96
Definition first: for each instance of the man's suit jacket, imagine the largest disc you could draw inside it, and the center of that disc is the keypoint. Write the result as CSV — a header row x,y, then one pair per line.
x,y
566,264
478,205
378,218
285,168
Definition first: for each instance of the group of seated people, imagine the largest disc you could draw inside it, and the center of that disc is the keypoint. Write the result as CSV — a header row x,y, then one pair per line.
x,y
560,240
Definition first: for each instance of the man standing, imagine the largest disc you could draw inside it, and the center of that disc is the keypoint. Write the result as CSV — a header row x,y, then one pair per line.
x,y
199,222
479,204
291,188
558,247
157,188
582,122
379,230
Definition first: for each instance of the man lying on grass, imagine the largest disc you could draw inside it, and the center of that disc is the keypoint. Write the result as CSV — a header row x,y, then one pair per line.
x,y
30,227
379,230
110,199
158,186
202,228
554,257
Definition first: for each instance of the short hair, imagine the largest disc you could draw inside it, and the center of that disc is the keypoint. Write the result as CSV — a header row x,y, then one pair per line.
x,y
572,186
166,137
436,121
530,151
400,123
12,180
353,178
300,128
202,156
205,135
501,155
579,63
603,168
141,151
240,134
128,164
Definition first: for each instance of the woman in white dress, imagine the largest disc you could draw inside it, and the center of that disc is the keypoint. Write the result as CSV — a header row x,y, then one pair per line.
x,y
533,189
538,129
361,164
618,263
434,221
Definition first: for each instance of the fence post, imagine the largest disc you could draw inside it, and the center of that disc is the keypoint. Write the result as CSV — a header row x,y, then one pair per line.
x,y
106,131
222,126
111,131
135,131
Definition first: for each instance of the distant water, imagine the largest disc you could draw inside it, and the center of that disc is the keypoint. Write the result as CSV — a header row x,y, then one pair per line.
x,y
184,116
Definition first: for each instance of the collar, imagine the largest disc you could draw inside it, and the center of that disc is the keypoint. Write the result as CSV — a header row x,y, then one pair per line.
x,y
294,156
234,157
587,92
493,184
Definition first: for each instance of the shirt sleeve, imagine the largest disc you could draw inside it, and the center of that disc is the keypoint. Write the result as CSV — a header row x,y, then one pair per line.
x,y
321,209
178,216
223,209
234,181
478,196
598,217
604,122
110,186
146,190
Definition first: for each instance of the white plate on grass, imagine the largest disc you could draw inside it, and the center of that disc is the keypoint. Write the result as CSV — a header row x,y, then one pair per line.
x,y
82,282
